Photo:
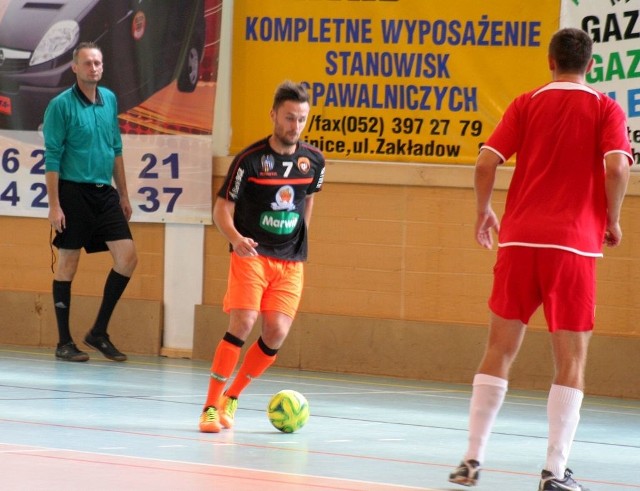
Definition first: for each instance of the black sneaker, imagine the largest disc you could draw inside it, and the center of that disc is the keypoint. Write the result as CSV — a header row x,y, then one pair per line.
x,y
70,352
467,473
104,346
549,482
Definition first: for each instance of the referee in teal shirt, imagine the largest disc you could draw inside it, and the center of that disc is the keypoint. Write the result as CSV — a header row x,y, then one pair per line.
x,y
83,159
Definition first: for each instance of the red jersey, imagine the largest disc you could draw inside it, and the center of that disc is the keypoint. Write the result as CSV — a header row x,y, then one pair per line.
x,y
269,191
561,133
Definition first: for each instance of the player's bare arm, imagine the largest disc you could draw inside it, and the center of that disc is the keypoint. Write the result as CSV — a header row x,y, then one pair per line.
x,y
121,185
484,179
56,215
223,210
617,177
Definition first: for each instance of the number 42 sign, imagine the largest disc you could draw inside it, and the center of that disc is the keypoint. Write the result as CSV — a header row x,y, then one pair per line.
x,y
168,177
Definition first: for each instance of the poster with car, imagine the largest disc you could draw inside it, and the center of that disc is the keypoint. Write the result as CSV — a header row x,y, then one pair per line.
x,y
160,59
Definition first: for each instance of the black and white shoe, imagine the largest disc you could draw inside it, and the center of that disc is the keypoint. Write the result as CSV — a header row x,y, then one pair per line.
x,y
467,473
549,482
70,352
104,346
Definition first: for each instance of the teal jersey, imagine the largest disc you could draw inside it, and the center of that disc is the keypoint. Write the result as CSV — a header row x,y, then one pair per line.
x,y
82,138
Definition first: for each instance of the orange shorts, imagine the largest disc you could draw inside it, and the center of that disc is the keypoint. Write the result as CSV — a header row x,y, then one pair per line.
x,y
563,282
264,283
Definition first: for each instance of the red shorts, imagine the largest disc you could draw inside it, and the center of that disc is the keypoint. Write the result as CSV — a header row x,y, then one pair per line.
x,y
264,283
563,282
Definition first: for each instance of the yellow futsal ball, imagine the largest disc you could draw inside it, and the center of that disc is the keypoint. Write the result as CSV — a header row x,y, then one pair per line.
x,y
288,411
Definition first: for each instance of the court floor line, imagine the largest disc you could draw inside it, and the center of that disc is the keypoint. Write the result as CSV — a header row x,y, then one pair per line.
x,y
277,447
257,478
417,389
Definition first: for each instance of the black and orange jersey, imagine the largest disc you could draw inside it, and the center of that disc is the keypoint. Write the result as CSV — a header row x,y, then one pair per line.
x,y
269,192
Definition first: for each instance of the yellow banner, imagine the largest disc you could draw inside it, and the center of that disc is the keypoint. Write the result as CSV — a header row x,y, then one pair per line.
x,y
390,80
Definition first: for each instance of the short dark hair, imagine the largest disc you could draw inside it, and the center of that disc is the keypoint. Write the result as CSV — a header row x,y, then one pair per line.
x,y
571,49
84,45
290,91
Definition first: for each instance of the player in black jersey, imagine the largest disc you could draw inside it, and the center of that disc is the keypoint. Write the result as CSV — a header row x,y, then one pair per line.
x,y
263,209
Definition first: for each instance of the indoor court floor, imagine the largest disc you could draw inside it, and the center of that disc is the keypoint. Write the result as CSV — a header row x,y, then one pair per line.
x,y
102,425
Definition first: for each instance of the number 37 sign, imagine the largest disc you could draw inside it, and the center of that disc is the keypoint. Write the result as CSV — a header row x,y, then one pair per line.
x,y
168,176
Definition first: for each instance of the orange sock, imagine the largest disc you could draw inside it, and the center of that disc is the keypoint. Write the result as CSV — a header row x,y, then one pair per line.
x,y
256,361
224,362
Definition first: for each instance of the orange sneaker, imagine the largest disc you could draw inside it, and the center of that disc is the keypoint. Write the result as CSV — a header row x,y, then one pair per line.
x,y
209,420
228,406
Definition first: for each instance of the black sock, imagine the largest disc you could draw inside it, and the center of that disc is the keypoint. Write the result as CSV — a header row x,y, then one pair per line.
x,y
113,288
62,305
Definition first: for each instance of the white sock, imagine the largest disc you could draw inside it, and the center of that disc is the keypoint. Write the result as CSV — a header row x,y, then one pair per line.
x,y
563,413
486,400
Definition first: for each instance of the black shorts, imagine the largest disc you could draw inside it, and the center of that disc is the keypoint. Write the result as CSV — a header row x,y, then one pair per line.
x,y
93,217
